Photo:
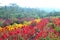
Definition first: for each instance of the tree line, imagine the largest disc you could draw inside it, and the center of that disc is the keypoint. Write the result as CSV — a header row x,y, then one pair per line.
x,y
14,11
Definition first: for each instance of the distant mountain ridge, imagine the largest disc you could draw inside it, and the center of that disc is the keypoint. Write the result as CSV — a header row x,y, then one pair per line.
x,y
50,9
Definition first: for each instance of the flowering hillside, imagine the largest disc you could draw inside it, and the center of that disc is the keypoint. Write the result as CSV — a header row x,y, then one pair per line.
x,y
37,29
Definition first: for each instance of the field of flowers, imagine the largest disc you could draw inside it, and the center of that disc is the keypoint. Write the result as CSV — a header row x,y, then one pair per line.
x,y
37,29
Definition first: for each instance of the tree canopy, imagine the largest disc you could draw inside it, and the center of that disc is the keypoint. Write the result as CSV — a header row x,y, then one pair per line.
x,y
14,11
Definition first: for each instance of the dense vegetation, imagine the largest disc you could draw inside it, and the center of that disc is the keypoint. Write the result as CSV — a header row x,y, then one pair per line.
x,y
38,29
17,23
14,11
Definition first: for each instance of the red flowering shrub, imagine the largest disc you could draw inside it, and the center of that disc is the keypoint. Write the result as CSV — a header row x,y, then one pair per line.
x,y
35,31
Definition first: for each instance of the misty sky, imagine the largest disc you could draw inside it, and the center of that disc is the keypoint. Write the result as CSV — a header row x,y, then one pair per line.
x,y
55,4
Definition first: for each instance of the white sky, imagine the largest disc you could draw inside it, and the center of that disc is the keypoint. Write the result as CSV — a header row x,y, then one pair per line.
x,y
34,3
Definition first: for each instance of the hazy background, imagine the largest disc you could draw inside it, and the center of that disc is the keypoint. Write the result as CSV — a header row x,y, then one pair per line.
x,y
29,8
44,4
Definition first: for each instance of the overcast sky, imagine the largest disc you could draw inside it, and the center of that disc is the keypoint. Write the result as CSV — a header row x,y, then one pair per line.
x,y
33,3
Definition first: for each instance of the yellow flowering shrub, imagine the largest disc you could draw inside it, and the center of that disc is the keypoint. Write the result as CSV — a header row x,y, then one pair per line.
x,y
15,25
37,20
